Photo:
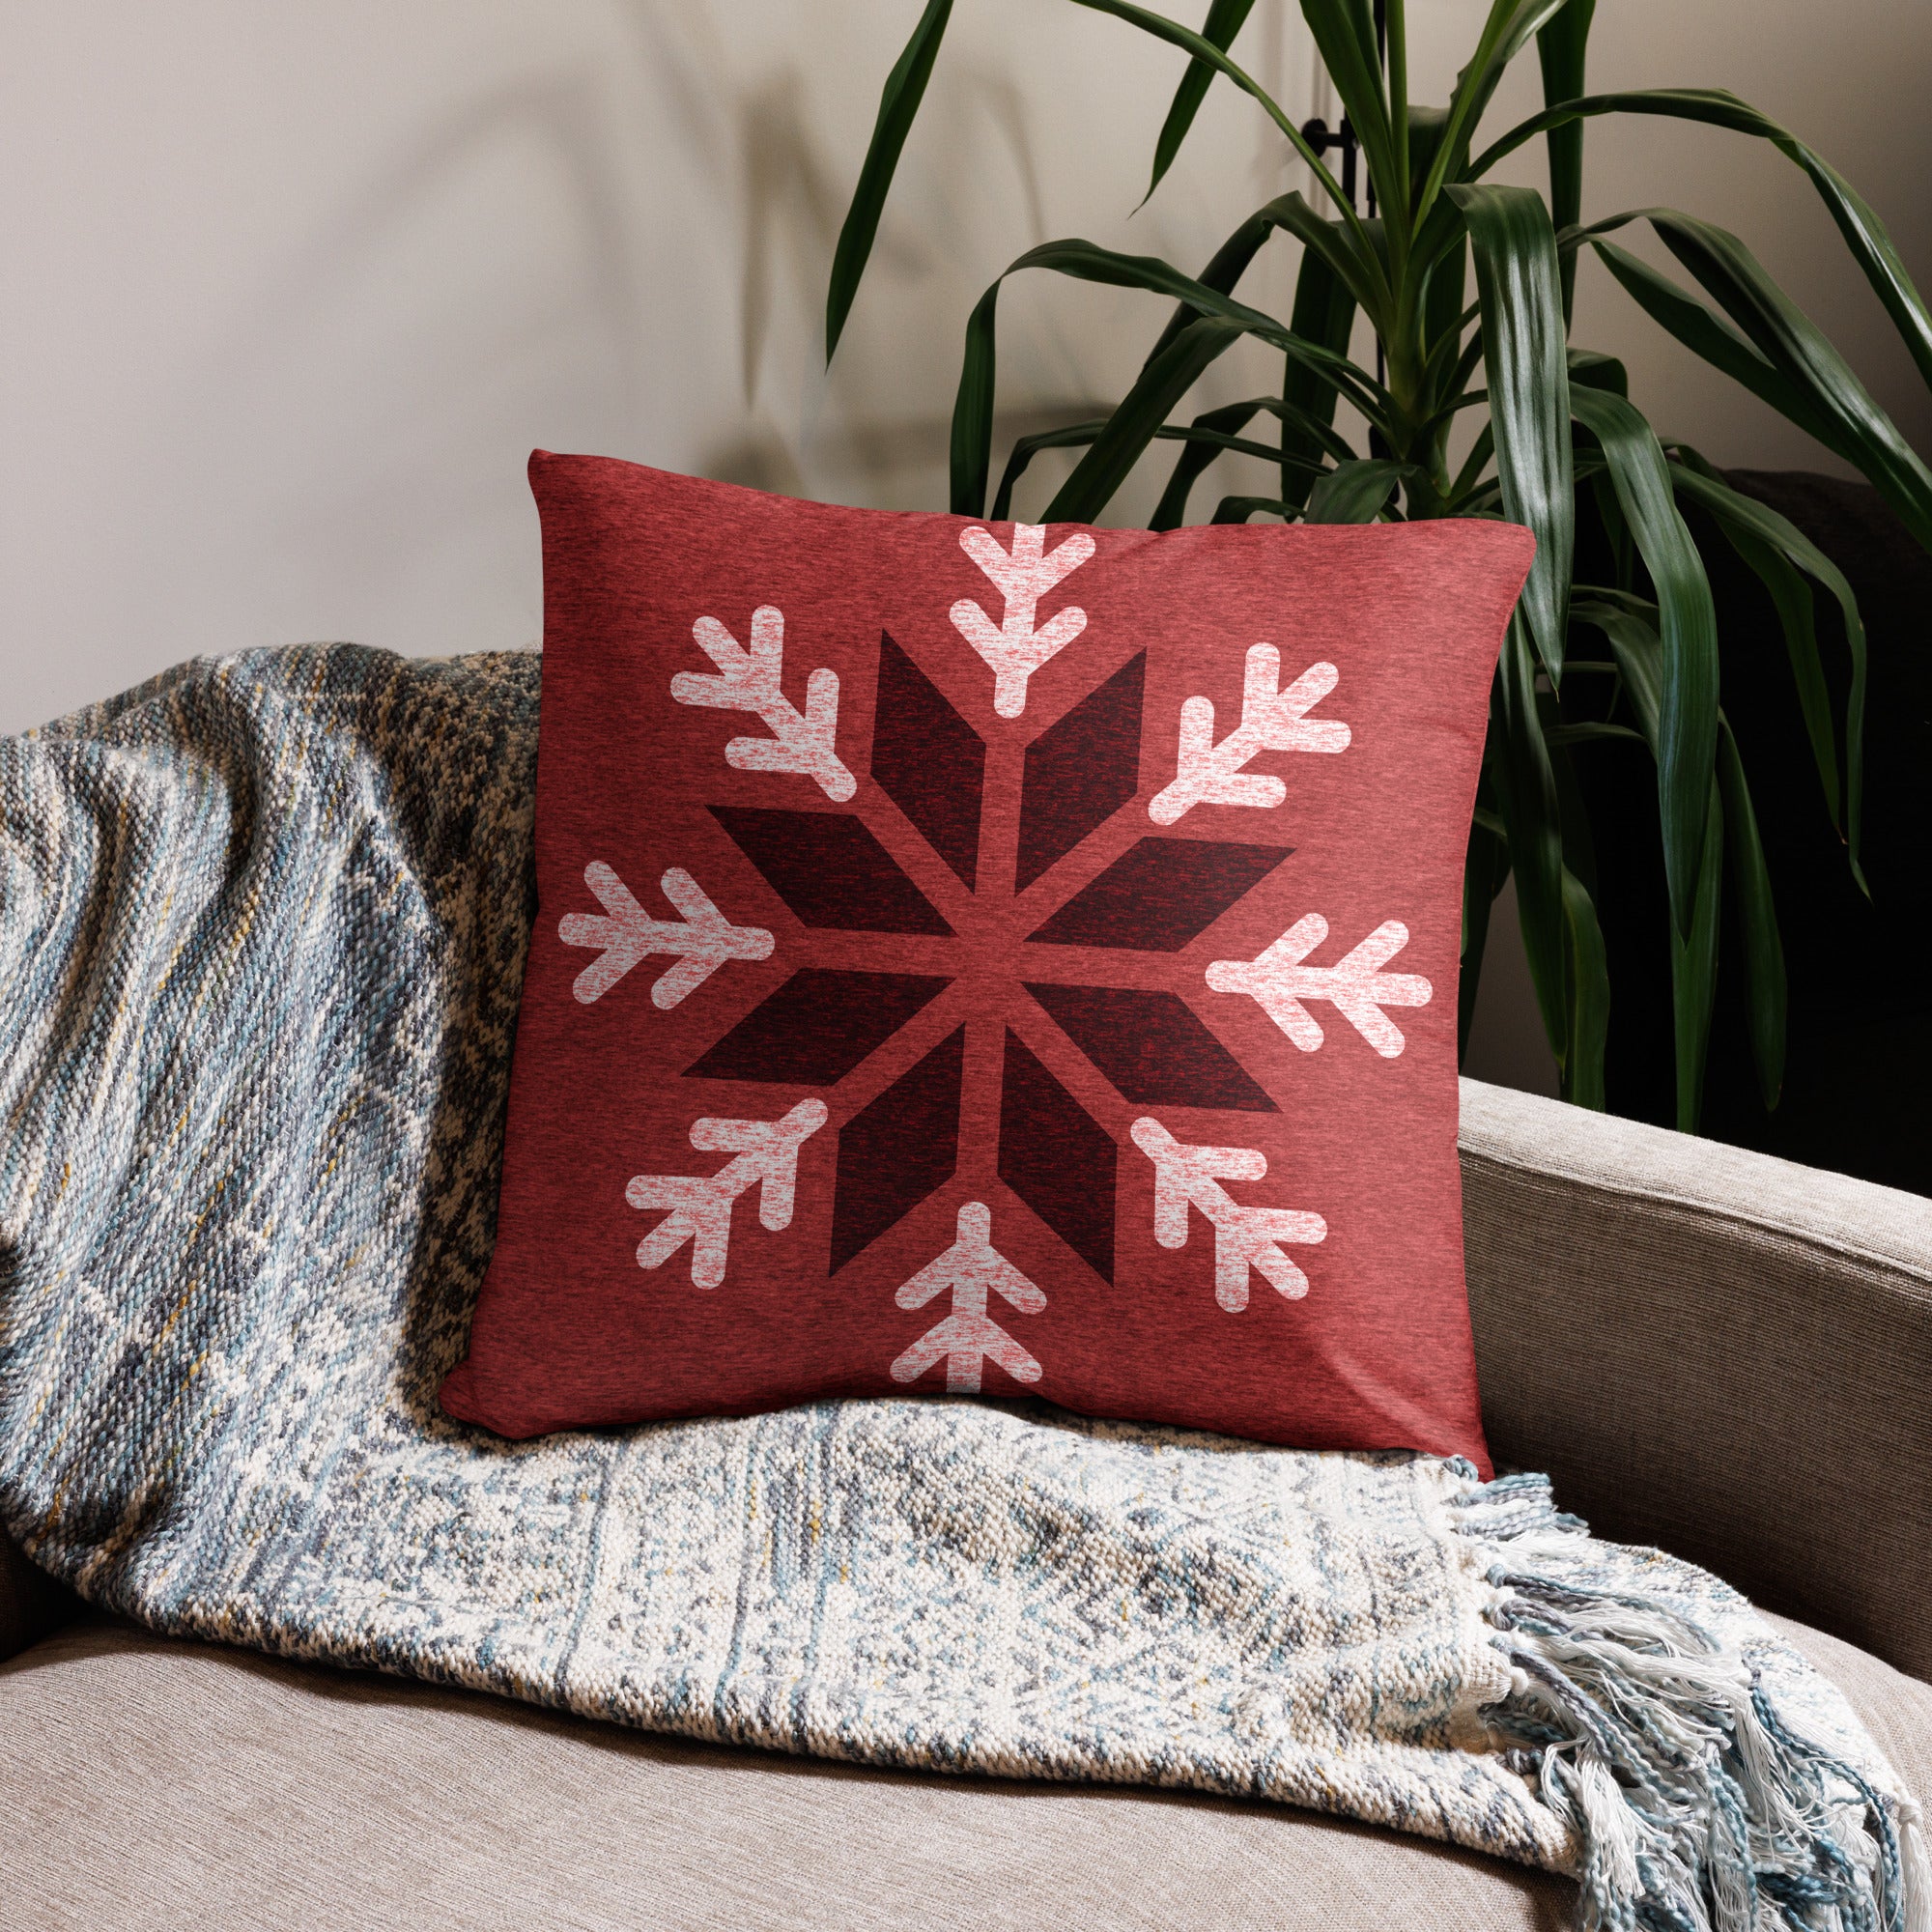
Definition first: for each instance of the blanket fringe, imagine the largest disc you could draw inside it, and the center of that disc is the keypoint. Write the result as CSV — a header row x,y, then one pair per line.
x,y
1697,1805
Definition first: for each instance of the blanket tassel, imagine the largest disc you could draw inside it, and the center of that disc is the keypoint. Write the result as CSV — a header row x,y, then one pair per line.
x,y
1697,1804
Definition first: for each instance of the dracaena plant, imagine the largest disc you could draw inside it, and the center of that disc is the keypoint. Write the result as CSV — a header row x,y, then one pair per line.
x,y
1635,656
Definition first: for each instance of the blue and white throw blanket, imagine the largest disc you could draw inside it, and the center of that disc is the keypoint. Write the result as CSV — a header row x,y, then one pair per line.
x,y
261,929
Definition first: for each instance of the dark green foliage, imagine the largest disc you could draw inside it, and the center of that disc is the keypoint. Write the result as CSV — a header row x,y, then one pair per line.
x,y
1554,430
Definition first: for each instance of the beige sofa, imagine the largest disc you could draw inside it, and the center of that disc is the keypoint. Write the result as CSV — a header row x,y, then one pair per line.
x,y
1709,1350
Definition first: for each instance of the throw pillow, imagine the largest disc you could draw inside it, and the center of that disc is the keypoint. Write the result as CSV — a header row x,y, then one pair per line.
x,y
993,959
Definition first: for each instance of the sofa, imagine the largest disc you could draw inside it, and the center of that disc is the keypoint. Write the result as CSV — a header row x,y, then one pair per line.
x,y
1709,1350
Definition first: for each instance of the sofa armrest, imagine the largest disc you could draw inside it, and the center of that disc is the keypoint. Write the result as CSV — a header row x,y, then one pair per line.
x,y
30,1602
1713,1352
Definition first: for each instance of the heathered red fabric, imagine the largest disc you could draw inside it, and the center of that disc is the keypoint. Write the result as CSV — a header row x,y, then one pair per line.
x,y
972,957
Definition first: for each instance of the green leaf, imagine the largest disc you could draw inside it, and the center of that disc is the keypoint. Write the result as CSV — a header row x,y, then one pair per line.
x,y
1743,517
1441,275
1427,128
1629,624
1468,399
1225,20
1451,361
1797,618
1225,268
1345,37
1355,492
1864,232
1473,465
1713,338
1072,436
1693,971
1586,982
1312,438
1204,437
1161,28
1766,994
898,104
1529,391
1591,370
1325,312
1329,270
1083,261
1505,34
1215,431
1616,532
1393,60
1524,784
1484,871
1586,986
1799,349
1241,445
1790,597
972,451
1686,725
1694,956
1590,732
1138,417
1561,47
1171,512
1356,263
1238,509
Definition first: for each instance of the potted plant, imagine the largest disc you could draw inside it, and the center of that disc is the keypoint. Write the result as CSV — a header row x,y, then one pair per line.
x,y
1627,648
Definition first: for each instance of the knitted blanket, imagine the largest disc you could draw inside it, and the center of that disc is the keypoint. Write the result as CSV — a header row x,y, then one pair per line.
x,y
261,929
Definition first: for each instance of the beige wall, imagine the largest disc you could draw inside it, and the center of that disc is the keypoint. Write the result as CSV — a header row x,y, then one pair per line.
x,y
292,291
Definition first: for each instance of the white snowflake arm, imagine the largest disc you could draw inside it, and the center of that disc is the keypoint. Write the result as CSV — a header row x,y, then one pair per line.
x,y
766,1158
1183,1173
964,1341
971,1267
750,681
1271,720
701,1214
703,942
1014,648
1251,1237
1244,1238
1278,981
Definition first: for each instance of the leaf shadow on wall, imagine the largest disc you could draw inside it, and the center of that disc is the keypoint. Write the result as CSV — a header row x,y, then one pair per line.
x,y
794,204
363,497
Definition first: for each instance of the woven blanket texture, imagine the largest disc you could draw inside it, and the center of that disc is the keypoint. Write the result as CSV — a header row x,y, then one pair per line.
x,y
262,931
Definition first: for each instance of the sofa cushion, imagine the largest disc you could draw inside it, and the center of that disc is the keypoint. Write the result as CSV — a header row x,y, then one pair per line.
x,y
1711,1352
150,1782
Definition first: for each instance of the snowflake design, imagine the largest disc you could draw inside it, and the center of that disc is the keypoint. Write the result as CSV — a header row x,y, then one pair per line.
x,y
1020,644
971,1268
701,942
765,1156
983,976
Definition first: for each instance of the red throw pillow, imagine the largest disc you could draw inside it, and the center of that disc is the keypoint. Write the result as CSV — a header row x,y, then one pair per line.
x,y
992,959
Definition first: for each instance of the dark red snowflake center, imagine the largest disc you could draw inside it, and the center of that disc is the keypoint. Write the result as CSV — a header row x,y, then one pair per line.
x,y
987,968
